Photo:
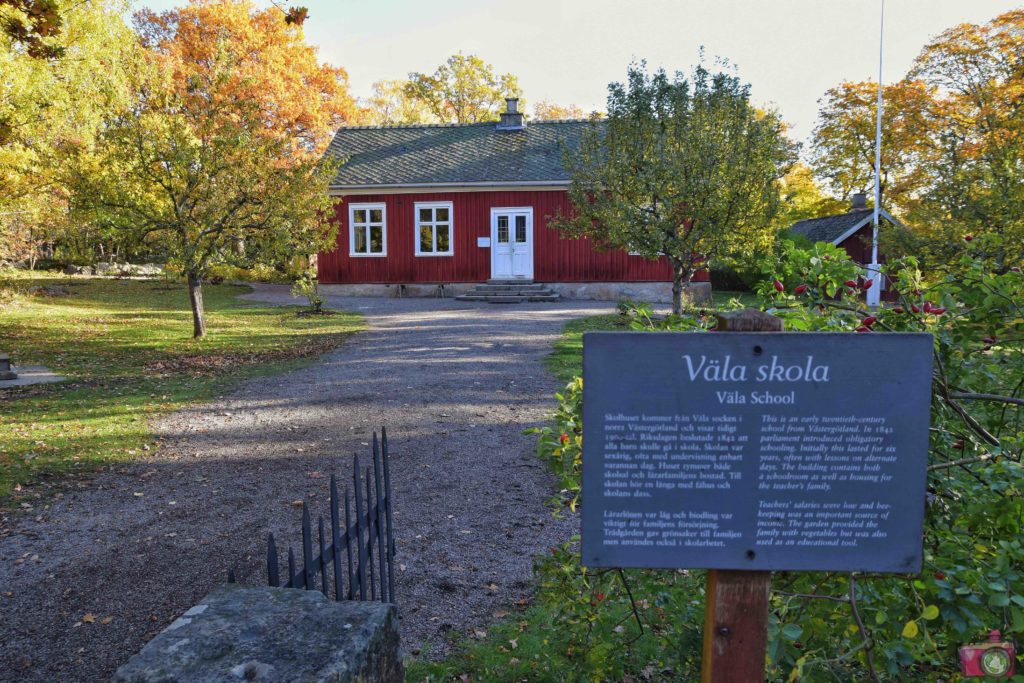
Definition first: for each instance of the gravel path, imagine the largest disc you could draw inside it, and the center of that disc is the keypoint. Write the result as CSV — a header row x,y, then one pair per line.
x,y
455,384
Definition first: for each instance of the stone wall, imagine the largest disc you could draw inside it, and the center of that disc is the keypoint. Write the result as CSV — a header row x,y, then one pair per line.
x,y
241,633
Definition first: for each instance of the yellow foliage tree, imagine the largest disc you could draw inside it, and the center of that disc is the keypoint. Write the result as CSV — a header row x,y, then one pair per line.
x,y
465,89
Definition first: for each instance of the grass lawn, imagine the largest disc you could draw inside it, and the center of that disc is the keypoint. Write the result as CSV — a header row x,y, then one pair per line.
x,y
127,351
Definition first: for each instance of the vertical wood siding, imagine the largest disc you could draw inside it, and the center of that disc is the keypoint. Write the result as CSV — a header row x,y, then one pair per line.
x,y
555,257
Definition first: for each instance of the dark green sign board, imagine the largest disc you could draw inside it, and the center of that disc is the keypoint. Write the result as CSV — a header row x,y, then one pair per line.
x,y
755,451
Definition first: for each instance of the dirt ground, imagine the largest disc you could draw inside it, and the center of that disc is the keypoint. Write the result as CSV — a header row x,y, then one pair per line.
x,y
85,584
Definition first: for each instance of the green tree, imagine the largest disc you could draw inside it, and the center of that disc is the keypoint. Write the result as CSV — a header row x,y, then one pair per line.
x,y
803,198
53,102
219,159
464,89
682,168
390,104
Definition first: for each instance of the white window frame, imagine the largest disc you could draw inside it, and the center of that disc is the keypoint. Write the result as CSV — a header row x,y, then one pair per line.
x,y
417,223
352,229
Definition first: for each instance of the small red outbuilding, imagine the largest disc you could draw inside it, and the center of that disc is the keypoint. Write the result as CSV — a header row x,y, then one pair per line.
x,y
457,205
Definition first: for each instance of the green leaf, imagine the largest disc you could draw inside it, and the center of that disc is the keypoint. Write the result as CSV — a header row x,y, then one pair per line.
x,y
791,631
999,600
930,612
881,617
910,629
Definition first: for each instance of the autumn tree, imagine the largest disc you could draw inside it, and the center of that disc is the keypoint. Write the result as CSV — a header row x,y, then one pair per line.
x,y
219,159
62,73
464,89
843,143
390,104
684,168
976,169
802,198
549,111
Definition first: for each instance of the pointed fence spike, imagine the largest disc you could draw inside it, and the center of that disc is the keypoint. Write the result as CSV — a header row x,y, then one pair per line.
x,y
335,540
370,532
387,512
291,568
324,586
307,549
348,547
359,531
273,573
379,521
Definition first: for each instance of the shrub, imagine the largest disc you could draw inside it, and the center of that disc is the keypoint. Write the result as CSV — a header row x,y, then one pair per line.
x,y
904,627
307,285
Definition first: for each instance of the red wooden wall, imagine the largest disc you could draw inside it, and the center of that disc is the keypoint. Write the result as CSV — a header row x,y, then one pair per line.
x,y
858,245
555,258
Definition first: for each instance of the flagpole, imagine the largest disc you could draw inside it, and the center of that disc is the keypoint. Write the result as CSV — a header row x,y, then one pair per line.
x,y
874,293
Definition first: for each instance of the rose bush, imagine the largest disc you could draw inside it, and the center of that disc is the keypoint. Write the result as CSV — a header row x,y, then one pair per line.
x,y
836,626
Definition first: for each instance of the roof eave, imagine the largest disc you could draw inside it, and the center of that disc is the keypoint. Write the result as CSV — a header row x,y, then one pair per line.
x,y
449,187
860,224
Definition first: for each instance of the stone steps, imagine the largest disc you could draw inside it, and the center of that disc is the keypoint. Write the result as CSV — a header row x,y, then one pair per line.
x,y
509,292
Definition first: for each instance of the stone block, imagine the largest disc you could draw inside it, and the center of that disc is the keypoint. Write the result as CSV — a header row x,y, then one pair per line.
x,y
239,633
6,371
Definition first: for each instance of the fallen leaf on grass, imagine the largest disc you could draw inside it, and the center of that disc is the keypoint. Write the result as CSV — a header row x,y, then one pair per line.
x,y
514,643
89,618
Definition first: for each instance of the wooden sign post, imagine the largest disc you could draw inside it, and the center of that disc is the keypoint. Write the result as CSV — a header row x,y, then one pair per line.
x,y
749,451
736,602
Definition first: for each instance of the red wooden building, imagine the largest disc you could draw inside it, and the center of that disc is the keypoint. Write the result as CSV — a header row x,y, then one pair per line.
x,y
457,205
850,231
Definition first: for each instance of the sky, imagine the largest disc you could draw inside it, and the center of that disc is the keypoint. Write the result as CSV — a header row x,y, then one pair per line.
x,y
568,51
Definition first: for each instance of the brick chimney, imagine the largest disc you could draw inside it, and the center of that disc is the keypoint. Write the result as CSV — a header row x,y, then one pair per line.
x,y
511,118
860,201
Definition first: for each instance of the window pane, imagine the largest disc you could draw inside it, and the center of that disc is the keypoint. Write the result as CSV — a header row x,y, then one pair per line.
x,y
521,234
360,245
376,239
426,239
425,216
502,222
359,216
502,232
441,214
443,243
376,216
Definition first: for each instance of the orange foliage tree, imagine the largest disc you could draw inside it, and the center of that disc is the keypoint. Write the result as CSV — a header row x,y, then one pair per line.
x,y
219,159
843,144
300,99
952,141
549,111
977,162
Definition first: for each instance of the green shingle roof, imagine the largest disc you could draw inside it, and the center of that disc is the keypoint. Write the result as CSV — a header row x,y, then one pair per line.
x,y
475,153
830,228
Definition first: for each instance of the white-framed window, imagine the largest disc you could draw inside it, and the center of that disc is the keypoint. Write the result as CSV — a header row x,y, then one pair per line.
x,y
367,230
433,229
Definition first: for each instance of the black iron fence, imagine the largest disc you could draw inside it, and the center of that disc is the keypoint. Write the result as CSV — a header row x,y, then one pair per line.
x,y
356,561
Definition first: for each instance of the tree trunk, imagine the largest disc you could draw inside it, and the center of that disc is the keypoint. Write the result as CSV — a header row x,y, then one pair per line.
x,y
680,279
195,295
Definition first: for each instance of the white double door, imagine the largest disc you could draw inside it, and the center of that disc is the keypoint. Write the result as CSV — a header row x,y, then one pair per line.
x,y
512,244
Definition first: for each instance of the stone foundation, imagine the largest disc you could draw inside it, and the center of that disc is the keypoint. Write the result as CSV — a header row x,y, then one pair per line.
x,y
647,292
241,633
650,292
